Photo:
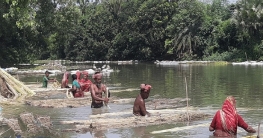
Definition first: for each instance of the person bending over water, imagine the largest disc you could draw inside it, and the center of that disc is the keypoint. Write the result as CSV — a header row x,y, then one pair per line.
x,y
97,88
139,108
226,120
64,82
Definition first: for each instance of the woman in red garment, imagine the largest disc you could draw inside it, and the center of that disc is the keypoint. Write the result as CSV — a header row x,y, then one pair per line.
x,y
64,83
85,82
78,73
226,120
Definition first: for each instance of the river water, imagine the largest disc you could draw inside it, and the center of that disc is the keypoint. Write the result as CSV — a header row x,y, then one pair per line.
x,y
207,86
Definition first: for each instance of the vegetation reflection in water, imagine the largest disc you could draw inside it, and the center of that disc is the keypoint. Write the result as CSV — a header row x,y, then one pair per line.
x,y
208,86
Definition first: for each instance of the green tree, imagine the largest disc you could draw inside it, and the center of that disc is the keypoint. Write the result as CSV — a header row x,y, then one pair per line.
x,y
16,41
184,41
248,17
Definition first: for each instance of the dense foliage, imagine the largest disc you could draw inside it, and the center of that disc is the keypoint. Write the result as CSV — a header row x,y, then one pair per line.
x,y
130,29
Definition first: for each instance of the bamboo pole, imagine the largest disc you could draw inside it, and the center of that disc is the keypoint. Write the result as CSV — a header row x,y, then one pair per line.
x,y
258,130
107,96
186,92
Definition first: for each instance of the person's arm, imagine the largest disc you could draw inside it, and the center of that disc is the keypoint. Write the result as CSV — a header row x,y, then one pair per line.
x,y
244,125
105,90
51,79
45,78
81,84
74,88
143,108
213,123
86,89
87,86
93,95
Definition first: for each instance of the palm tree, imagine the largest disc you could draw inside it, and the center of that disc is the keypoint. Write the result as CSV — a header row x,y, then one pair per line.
x,y
184,30
249,15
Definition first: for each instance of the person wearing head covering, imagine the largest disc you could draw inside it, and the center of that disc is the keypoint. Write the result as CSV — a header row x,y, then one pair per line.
x,y
76,88
78,73
139,108
97,88
64,82
85,82
46,79
226,120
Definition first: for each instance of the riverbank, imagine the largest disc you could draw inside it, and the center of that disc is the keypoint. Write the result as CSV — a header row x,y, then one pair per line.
x,y
57,67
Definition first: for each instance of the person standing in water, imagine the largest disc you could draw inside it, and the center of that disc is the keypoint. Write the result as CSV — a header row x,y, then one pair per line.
x,y
139,108
46,79
97,88
85,82
226,120
76,88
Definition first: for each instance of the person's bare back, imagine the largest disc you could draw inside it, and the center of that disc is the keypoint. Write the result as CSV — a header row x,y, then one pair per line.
x,y
139,108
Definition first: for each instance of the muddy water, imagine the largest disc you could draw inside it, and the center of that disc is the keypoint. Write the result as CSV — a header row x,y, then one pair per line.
x,y
207,87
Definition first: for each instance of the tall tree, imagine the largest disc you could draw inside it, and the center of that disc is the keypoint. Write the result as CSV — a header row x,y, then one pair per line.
x,y
183,31
16,39
248,17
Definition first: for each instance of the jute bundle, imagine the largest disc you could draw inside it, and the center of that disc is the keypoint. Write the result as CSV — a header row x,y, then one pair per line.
x,y
17,85
13,91
56,84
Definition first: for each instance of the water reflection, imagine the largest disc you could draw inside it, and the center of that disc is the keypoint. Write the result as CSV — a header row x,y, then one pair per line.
x,y
95,111
140,132
99,134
